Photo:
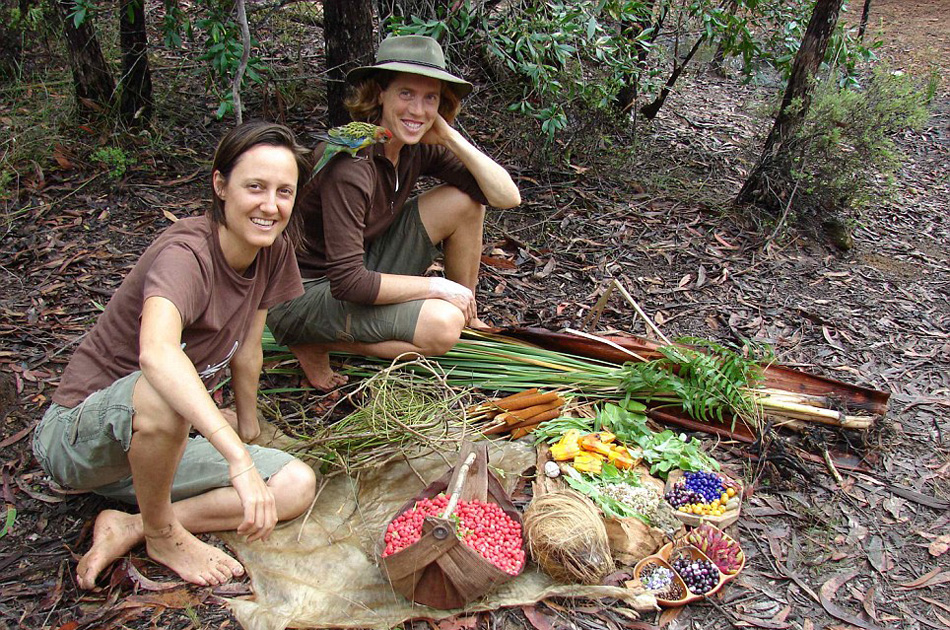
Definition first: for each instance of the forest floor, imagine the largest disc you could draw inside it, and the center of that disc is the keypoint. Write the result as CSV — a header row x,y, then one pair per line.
x,y
868,552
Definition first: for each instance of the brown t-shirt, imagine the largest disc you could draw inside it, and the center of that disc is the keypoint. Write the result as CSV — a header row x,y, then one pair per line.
x,y
351,202
186,266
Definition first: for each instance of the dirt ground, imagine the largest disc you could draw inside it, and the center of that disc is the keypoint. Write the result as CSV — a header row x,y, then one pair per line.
x,y
867,552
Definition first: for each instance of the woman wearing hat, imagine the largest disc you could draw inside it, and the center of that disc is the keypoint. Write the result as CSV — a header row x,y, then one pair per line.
x,y
367,243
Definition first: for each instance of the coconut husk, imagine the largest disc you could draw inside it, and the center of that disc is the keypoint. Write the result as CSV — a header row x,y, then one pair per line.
x,y
567,538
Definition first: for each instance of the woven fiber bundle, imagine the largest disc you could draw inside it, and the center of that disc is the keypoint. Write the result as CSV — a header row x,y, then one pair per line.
x,y
567,538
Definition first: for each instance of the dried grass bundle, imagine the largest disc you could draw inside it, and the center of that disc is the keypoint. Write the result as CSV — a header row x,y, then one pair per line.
x,y
567,537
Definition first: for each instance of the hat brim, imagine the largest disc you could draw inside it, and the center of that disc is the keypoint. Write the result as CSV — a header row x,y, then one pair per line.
x,y
461,87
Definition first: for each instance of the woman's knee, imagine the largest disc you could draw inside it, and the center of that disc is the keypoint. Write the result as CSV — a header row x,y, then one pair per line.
x,y
153,414
439,327
294,487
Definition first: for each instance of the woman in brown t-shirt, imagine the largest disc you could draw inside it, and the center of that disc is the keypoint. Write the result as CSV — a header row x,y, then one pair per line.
x,y
194,304
367,245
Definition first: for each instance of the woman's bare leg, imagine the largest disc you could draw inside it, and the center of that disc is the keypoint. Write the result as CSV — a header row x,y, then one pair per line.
x,y
158,440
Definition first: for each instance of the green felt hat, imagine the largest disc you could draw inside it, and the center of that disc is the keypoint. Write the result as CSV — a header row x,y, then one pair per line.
x,y
415,54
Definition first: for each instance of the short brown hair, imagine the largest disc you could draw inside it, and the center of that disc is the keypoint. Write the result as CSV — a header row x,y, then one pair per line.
x,y
363,103
242,139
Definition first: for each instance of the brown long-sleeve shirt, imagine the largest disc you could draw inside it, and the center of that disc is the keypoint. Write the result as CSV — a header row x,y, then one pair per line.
x,y
351,202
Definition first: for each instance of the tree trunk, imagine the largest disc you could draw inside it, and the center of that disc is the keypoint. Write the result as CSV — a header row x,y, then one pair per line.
x,y
135,86
91,76
865,14
651,110
795,103
348,35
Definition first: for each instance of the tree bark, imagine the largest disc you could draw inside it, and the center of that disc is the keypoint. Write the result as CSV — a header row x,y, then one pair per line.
x,y
652,109
348,35
91,76
796,100
238,78
135,86
865,14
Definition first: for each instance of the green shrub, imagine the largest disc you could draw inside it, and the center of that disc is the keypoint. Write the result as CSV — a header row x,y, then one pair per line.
x,y
844,155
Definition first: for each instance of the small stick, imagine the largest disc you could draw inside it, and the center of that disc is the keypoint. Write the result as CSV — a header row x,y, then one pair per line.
x,y
610,343
457,491
640,312
831,465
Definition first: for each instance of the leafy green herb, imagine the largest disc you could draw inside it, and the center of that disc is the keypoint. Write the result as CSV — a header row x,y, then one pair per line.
x,y
608,505
664,451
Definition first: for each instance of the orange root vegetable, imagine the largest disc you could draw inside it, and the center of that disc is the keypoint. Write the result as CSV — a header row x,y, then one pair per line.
x,y
527,402
519,415
544,416
492,408
501,402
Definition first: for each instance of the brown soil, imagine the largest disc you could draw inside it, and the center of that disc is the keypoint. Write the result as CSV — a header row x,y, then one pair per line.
x,y
877,315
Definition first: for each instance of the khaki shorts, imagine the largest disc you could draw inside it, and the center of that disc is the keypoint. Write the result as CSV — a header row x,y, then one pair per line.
x,y
318,317
86,448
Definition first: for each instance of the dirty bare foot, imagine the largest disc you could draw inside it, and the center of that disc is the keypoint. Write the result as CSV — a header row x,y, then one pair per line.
x,y
114,535
195,561
315,362
477,323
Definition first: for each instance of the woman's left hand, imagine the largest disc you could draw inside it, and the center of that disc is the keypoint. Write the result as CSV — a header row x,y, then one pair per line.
x,y
438,133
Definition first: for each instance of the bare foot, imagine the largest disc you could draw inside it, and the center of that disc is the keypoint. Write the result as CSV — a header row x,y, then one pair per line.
x,y
476,323
195,561
315,362
114,535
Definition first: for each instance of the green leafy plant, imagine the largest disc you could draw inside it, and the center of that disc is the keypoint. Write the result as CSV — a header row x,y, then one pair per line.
x,y
664,451
223,52
844,155
116,160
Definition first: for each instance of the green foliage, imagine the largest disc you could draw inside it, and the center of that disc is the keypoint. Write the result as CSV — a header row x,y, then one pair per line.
x,y
590,486
82,10
844,155
709,379
223,51
664,451
115,159
8,520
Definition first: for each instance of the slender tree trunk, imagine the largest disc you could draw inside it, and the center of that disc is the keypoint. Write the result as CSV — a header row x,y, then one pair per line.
x,y
650,111
91,76
242,66
795,103
865,14
135,86
348,34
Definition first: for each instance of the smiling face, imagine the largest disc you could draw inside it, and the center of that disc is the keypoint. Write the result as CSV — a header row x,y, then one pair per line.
x,y
258,199
410,104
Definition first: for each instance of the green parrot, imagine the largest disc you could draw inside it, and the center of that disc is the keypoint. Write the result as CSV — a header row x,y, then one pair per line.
x,y
350,138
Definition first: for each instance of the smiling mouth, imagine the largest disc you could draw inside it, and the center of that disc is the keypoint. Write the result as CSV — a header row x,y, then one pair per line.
x,y
412,125
263,222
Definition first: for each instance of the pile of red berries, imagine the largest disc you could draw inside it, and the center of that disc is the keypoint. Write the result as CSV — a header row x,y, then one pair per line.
x,y
483,526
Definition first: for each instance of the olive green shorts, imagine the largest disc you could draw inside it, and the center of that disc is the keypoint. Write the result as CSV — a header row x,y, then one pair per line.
x,y
86,448
318,317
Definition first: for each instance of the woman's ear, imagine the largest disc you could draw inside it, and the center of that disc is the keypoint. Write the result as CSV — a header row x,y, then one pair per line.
x,y
219,182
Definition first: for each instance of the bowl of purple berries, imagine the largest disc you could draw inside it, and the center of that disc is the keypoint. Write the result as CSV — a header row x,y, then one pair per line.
x,y
678,575
704,497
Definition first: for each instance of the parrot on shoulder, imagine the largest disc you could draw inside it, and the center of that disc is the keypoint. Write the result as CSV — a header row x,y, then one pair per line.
x,y
350,138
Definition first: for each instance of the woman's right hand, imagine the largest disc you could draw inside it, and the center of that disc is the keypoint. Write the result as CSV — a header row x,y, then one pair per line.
x,y
456,294
260,508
